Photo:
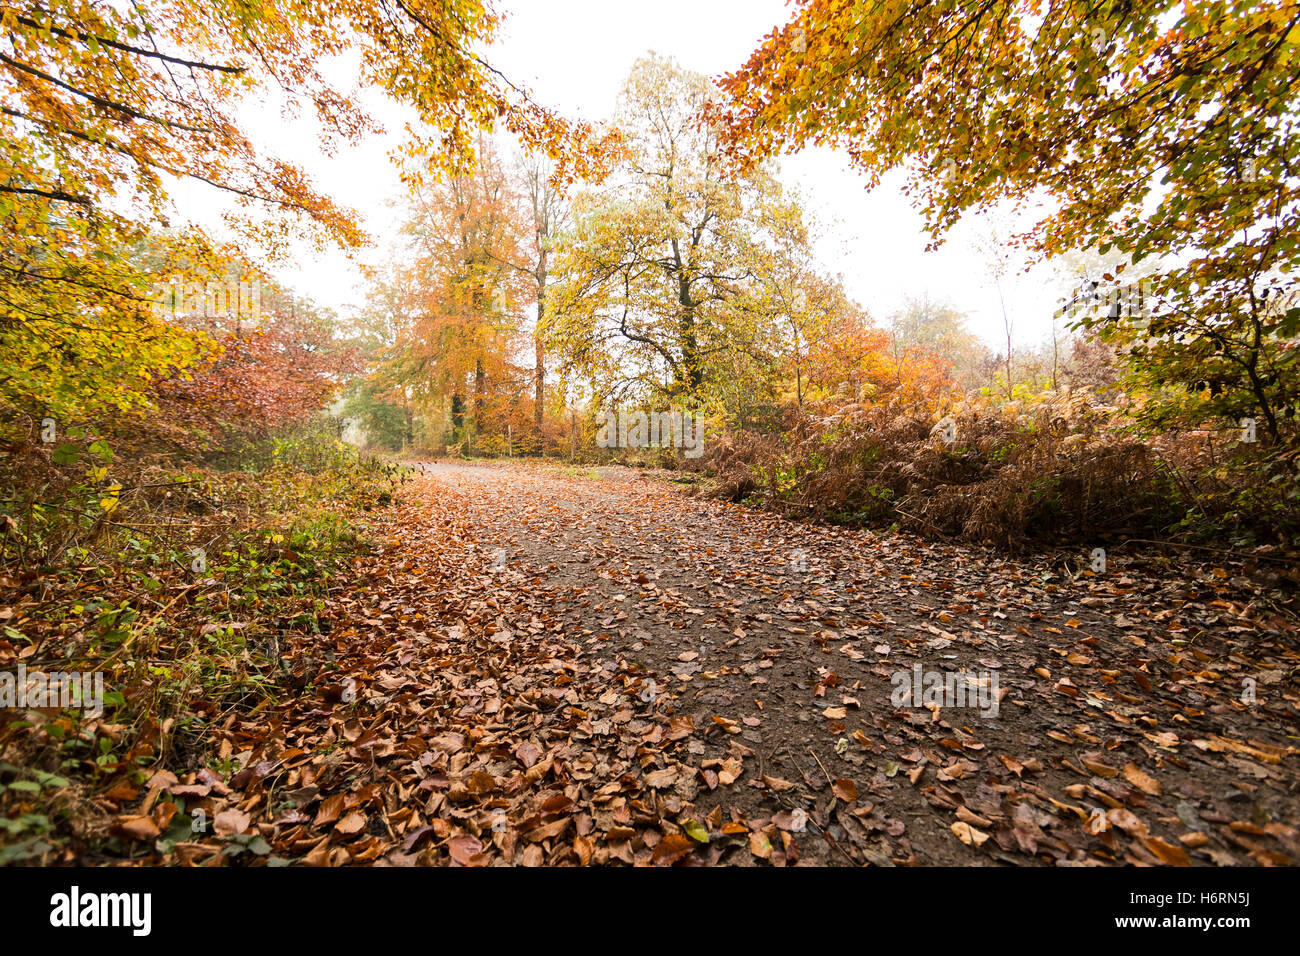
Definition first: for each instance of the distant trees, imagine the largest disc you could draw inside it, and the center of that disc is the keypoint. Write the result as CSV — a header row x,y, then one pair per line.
x,y
928,332
106,104
683,278
680,279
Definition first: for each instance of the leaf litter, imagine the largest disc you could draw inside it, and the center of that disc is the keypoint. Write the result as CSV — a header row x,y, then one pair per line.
x,y
539,669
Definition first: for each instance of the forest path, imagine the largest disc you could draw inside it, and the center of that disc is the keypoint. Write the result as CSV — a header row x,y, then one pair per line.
x,y
588,666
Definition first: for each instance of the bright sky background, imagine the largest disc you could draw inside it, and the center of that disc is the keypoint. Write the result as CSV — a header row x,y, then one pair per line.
x,y
574,55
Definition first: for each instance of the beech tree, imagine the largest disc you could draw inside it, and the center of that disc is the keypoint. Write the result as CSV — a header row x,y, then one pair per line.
x,y
653,270
104,105
457,295
543,215
1160,130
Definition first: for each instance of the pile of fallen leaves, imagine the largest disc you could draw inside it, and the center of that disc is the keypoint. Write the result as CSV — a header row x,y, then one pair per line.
x,y
539,669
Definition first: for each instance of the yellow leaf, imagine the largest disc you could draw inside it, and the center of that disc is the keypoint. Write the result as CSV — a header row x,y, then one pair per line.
x,y
968,834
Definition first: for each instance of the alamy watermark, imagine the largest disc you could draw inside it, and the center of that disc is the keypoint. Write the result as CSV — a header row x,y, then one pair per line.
x,y
78,690
921,688
671,429
1133,301
76,909
177,298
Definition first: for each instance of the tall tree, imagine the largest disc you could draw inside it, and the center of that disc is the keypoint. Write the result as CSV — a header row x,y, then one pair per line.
x,y
546,213
1160,130
657,257
457,313
103,104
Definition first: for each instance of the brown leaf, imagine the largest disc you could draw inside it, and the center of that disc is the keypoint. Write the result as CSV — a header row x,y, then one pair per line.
x,y
661,779
527,754
681,727
351,825
730,771
1127,821
467,851
845,789
1167,852
974,819
329,810
672,848
968,834
1141,779
1012,764
1097,767
230,822
136,828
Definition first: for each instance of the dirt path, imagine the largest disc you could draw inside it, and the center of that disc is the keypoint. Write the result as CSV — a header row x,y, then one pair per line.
x,y
540,666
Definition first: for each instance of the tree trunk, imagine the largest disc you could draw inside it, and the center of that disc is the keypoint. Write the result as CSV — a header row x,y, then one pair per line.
x,y
539,374
1006,324
480,387
694,375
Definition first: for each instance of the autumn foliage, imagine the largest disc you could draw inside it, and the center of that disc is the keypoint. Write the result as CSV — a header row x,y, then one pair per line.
x,y
191,501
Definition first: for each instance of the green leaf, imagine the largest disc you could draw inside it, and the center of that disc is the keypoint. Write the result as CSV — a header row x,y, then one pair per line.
x,y
66,454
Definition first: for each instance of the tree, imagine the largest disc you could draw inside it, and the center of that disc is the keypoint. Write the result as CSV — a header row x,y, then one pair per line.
x,y
935,333
458,301
1213,354
104,102
548,217
383,423
993,243
652,272
1159,131
801,318
546,212
277,370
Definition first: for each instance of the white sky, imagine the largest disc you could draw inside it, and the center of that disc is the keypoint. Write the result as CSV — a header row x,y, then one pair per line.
x,y
574,56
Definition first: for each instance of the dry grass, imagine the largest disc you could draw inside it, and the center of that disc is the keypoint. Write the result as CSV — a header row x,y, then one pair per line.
x,y
1013,477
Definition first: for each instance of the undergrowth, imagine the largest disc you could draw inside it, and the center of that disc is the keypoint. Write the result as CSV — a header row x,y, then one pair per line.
x,y
1065,471
175,584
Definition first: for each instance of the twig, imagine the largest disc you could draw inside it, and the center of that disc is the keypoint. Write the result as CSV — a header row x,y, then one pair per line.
x,y
829,779
816,826
1200,547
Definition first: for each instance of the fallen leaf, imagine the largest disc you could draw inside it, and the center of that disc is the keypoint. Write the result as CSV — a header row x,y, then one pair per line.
x,y
968,834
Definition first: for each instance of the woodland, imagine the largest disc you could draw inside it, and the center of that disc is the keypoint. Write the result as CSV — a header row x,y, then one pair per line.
x,y
382,585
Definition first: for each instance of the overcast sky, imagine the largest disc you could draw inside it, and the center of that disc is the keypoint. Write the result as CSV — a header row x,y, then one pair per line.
x,y
574,55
